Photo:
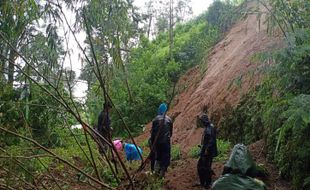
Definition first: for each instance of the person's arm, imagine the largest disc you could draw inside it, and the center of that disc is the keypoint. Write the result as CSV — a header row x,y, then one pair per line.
x,y
153,131
100,122
206,142
212,139
169,122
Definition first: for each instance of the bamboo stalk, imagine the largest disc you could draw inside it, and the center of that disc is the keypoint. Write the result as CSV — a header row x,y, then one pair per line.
x,y
57,157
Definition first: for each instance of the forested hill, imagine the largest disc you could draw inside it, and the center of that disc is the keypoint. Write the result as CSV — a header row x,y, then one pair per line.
x,y
246,63
153,67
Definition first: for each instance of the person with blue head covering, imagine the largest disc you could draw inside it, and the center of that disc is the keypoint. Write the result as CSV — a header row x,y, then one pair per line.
x,y
132,152
162,109
160,141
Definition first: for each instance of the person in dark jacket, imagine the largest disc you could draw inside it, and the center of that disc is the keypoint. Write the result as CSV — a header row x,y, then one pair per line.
x,y
161,133
103,126
208,151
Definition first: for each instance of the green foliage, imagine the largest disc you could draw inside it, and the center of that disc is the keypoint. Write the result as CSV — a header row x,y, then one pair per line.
x,y
29,162
25,165
306,183
288,16
194,152
151,75
145,143
175,152
223,147
9,114
240,124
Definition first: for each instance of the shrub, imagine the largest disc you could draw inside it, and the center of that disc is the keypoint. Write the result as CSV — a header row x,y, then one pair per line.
x,y
175,152
223,147
194,152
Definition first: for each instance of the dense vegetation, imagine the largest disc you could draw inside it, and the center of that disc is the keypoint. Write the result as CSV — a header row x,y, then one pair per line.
x,y
278,109
135,59
151,73
135,66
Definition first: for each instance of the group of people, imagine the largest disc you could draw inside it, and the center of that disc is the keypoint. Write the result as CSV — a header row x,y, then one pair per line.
x,y
105,130
160,142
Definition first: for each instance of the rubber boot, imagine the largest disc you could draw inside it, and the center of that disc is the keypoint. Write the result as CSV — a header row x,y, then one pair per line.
x,y
157,167
162,173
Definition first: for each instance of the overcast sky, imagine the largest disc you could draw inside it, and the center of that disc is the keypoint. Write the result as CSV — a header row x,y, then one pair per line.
x,y
198,6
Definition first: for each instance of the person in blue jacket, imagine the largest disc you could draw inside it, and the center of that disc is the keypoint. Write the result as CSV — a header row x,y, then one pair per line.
x,y
132,152
161,133
208,151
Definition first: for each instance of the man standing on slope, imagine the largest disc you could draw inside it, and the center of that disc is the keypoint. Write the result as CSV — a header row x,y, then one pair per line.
x,y
208,151
161,133
103,126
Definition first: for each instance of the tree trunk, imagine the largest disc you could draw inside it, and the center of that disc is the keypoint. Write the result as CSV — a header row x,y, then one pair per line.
x,y
149,28
2,65
126,80
12,58
171,29
1,71
3,61
121,61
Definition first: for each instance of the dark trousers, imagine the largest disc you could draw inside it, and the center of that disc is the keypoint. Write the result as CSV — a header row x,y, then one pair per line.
x,y
153,159
204,170
161,153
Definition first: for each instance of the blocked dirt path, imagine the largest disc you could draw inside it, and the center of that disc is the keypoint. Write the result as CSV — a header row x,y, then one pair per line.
x,y
183,173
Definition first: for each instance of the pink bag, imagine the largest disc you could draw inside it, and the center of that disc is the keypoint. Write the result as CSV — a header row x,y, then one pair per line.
x,y
118,145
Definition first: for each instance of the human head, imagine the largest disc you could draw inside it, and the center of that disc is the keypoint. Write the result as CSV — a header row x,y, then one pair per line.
x,y
118,144
107,105
162,108
204,119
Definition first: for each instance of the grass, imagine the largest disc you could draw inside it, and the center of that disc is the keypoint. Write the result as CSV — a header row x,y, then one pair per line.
x,y
222,147
145,143
175,152
194,152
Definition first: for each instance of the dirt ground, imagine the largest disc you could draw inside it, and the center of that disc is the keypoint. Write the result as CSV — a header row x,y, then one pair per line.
x,y
183,173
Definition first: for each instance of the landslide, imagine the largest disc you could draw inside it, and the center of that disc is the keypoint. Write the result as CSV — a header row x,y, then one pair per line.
x,y
227,73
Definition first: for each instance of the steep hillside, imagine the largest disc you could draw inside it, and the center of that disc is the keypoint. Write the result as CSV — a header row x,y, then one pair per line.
x,y
228,64
227,73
